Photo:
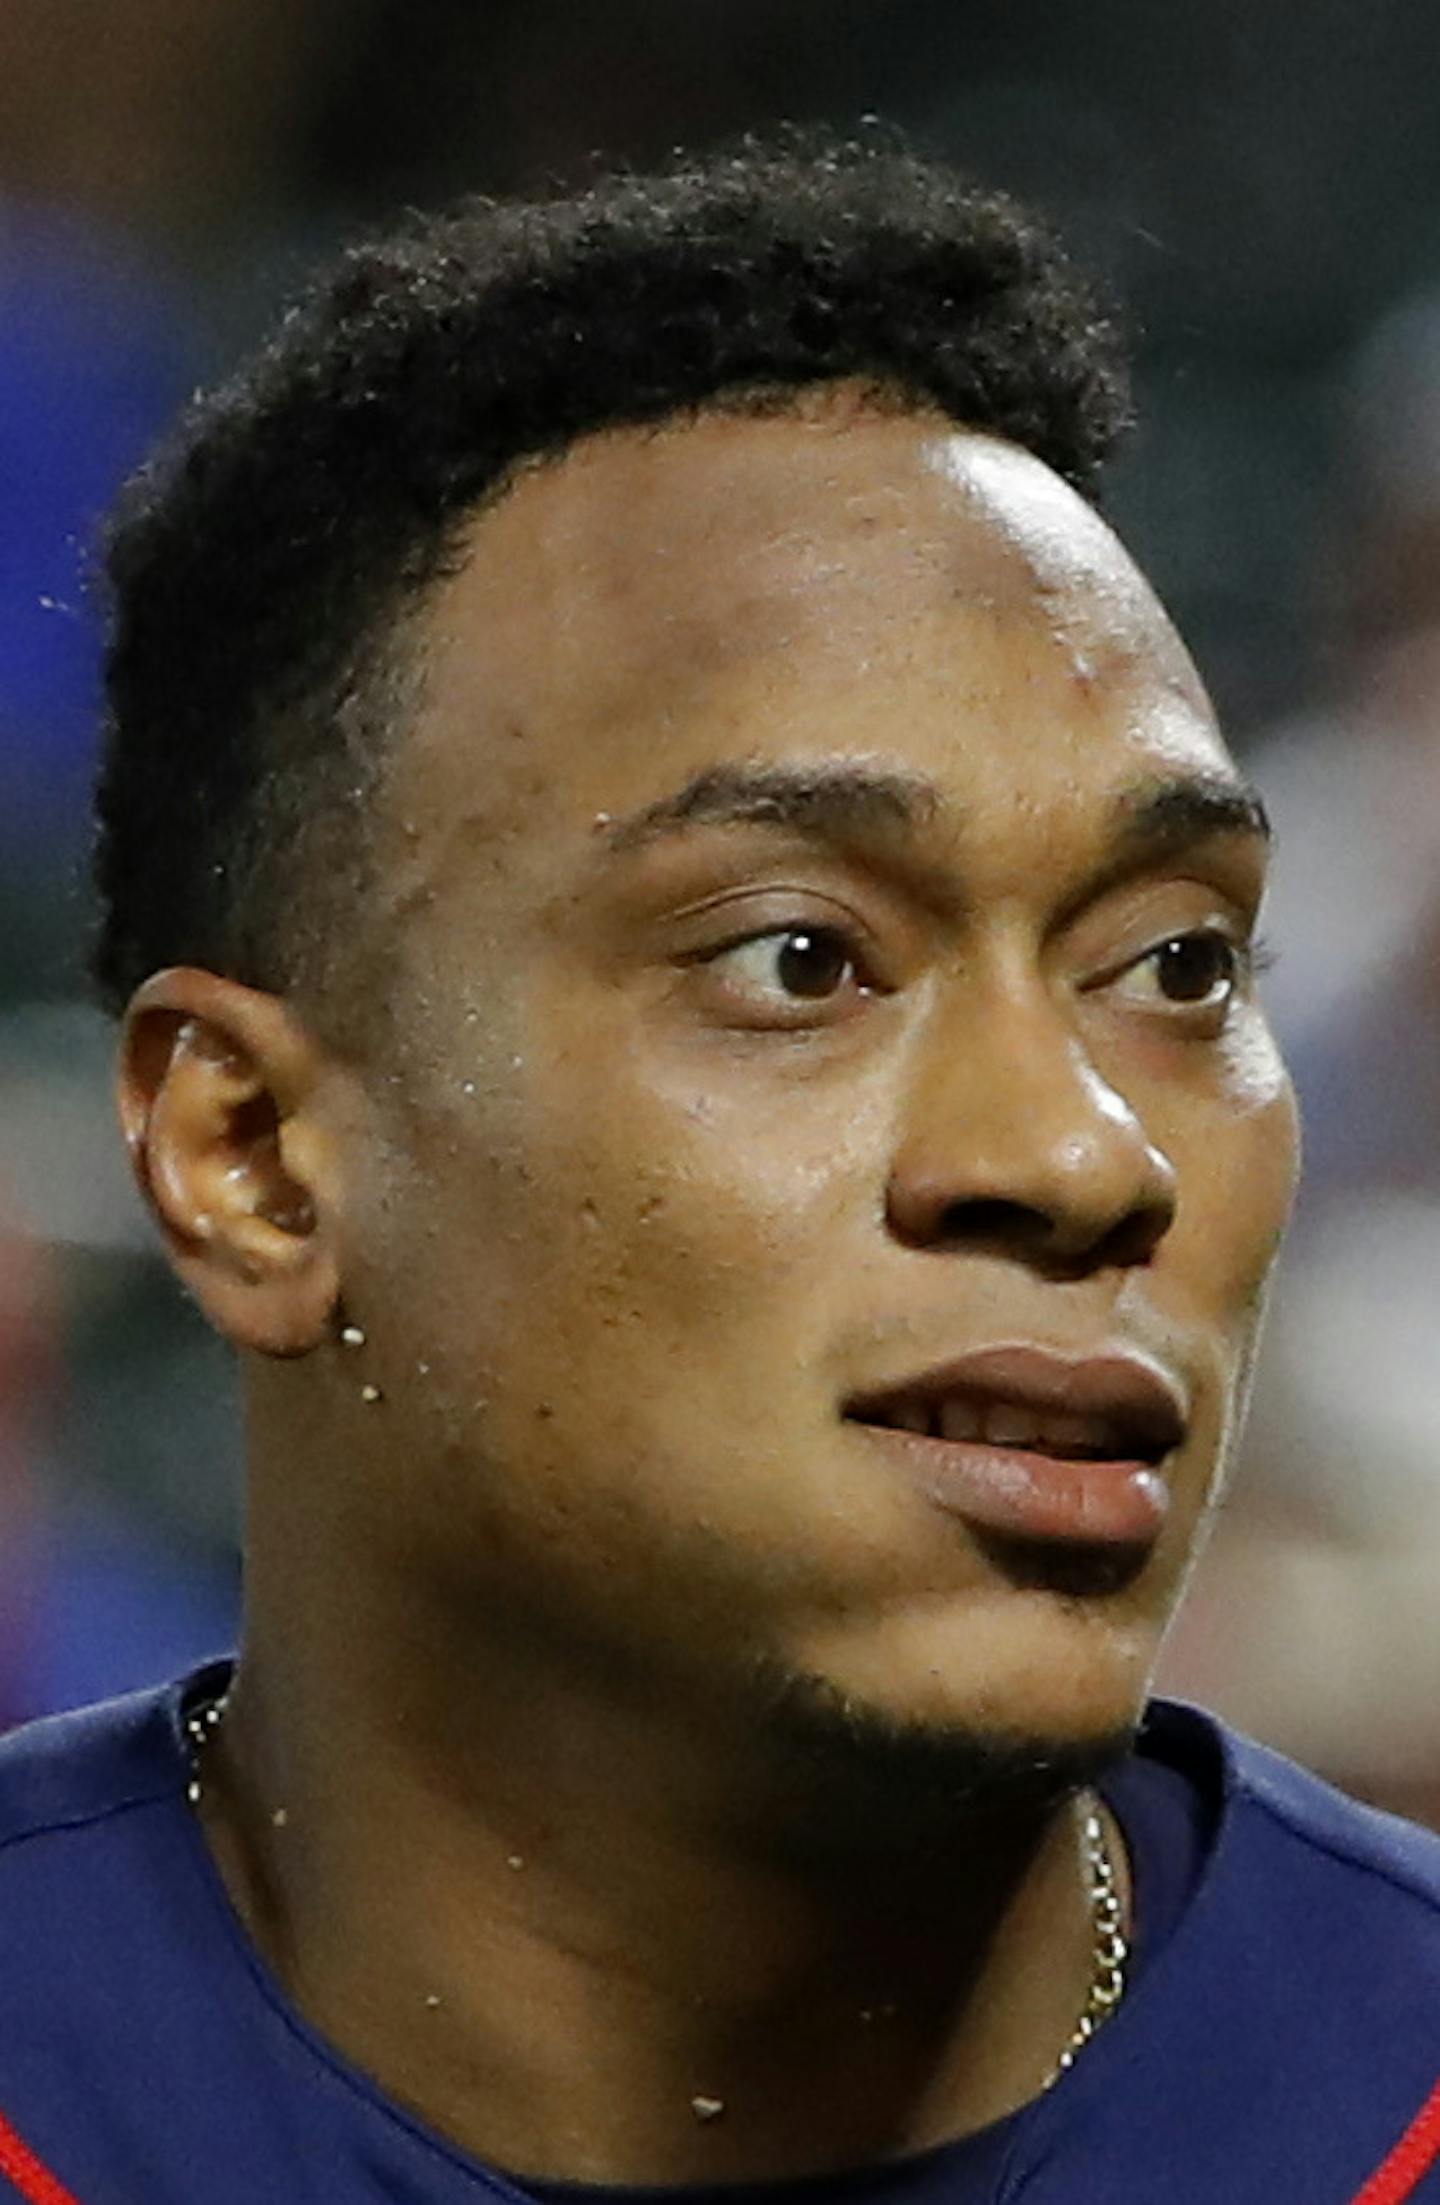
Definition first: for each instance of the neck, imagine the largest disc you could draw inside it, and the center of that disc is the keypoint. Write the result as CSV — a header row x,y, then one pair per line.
x,y
590,1936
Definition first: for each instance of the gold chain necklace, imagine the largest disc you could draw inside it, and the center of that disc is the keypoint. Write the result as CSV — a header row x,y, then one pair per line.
x,y
1110,1949
201,1724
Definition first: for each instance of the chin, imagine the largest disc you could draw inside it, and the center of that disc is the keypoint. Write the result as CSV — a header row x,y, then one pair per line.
x,y
864,1775
1010,1699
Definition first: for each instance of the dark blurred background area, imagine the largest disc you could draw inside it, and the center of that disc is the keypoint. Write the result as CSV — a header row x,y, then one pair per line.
x,y
1259,183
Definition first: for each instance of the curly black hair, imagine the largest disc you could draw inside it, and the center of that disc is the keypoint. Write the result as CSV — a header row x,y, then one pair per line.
x,y
262,567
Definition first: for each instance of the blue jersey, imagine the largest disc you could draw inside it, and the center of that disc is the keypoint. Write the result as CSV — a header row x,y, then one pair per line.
x,y
1279,2044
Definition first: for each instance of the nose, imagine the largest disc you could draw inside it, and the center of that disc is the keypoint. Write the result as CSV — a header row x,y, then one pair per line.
x,y
1013,1142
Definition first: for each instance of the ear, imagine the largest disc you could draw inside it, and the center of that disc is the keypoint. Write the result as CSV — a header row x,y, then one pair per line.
x,y
219,1088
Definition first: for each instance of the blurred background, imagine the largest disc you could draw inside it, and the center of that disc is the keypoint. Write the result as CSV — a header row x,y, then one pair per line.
x,y
1260,181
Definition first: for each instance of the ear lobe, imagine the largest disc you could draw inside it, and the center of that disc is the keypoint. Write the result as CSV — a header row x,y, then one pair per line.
x,y
215,1082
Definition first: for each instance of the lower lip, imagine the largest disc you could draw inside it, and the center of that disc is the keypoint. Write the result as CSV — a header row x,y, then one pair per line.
x,y
1028,1496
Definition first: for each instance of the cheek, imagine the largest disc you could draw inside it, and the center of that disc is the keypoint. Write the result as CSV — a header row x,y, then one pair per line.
x,y
693,1203
1266,1148
624,1306
601,1212
1237,1160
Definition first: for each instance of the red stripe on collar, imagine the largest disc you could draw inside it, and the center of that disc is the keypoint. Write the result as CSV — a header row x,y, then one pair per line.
x,y
20,2167
1410,2161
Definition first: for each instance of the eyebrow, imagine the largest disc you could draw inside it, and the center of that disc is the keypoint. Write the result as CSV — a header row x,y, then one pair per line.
x,y
1158,816
843,804
834,803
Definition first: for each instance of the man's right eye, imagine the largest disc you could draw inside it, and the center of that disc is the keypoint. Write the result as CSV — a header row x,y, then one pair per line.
x,y
788,967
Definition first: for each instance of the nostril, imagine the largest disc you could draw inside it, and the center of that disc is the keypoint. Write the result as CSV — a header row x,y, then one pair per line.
x,y
1134,1240
995,1218
1067,1240
982,1221
1135,1235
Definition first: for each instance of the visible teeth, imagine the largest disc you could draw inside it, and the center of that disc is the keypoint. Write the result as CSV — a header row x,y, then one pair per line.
x,y
1007,1426
959,1419
1078,1435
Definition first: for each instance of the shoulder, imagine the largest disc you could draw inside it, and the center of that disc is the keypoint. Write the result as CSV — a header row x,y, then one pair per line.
x,y
70,1771
1314,1933
93,1830
1399,1859
73,1769
1284,2037
1281,1822
97,1866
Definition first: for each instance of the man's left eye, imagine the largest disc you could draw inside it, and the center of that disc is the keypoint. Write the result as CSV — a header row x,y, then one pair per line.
x,y
1200,970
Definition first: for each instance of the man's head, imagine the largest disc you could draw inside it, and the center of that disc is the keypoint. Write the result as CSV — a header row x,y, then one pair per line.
x,y
723,1052
266,570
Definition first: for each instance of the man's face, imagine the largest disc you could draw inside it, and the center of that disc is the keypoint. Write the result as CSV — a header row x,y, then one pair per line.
x,y
778,881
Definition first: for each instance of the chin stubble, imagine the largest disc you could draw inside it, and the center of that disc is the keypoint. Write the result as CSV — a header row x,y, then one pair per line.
x,y
860,1776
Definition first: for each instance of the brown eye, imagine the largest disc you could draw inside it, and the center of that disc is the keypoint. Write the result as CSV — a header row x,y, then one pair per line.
x,y
773,977
1194,968
1199,972
811,961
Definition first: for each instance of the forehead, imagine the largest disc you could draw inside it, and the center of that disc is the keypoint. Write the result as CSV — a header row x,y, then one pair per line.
x,y
827,580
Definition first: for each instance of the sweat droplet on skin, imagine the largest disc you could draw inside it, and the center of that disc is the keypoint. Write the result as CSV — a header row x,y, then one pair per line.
x,y
707,2109
279,1818
515,1860
432,1999
352,1336
371,1393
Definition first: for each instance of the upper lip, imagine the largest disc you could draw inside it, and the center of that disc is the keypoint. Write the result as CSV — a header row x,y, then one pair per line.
x,y
1114,1404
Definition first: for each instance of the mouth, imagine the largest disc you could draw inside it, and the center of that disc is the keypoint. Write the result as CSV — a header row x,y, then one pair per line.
x,y
1032,1445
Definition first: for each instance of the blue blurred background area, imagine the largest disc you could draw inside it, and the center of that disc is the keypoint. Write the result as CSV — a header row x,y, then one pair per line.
x,y
1260,182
